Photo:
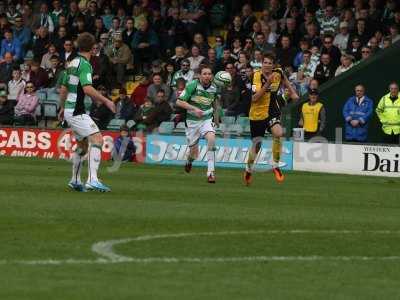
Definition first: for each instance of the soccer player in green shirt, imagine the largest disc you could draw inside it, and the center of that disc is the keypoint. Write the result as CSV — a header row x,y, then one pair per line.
x,y
76,84
199,99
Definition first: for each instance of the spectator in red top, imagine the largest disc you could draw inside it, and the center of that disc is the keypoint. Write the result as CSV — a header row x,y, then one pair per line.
x,y
139,94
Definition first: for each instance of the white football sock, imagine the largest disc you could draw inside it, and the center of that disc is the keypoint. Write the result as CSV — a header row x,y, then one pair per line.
x,y
94,162
211,162
77,162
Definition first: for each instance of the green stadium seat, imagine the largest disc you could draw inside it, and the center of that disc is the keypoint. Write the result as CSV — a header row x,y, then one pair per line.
x,y
115,124
243,121
180,128
228,120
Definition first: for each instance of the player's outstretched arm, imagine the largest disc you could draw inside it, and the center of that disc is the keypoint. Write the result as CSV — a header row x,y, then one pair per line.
x,y
190,108
93,93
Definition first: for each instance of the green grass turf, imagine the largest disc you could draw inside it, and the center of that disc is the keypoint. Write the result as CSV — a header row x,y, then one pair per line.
x,y
41,219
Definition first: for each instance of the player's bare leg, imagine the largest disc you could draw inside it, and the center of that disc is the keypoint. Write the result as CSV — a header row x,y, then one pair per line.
x,y
277,133
77,162
95,145
210,137
193,153
255,148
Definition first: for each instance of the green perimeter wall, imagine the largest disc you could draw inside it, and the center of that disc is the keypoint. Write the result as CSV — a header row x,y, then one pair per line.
x,y
375,74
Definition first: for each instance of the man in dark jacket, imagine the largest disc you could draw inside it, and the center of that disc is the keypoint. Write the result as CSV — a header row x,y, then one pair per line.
x,y
6,109
325,69
161,112
100,113
6,68
357,112
145,44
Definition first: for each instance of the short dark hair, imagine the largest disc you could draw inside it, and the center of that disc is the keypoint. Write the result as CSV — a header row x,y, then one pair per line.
x,y
205,66
86,42
307,52
270,56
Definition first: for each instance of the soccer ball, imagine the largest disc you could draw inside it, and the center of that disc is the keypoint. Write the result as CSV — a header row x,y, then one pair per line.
x,y
222,79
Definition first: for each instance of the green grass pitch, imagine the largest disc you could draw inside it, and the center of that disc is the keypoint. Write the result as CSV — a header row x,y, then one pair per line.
x,y
346,229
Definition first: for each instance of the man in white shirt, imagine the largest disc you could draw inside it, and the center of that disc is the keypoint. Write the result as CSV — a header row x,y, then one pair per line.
x,y
342,38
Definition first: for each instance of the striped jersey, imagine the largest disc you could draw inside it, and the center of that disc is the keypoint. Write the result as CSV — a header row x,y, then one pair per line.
x,y
77,75
201,97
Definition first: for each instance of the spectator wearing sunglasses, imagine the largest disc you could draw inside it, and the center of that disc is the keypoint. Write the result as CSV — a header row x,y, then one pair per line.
x,y
26,106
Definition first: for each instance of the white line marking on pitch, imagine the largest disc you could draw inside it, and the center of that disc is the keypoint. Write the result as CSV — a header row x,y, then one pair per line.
x,y
105,249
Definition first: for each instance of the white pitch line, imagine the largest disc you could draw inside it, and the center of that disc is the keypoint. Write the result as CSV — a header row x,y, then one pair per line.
x,y
105,249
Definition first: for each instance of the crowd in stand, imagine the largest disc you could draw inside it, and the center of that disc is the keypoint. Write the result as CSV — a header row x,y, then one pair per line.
x,y
163,43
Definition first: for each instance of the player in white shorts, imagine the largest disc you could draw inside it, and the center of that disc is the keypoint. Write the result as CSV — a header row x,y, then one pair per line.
x,y
199,99
77,83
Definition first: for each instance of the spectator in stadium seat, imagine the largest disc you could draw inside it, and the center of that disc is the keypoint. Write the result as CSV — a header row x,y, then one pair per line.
x,y
6,109
257,60
211,60
329,22
6,68
16,85
343,37
333,51
54,72
361,32
38,76
236,31
124,148
394,33
120,57
236,48
45,62
357,112
198,40
125,108
128,32
346,64
144,44
195,59
100,113
230,95
43,19
388,113
355,48
261,43
142,113
313,116
184,73
157,84
22,33
292,31
99,28
285,54
58,40
139,94
305,72
298,60
68,53
248,19
26,106
162,112
325,69
312,35
12,45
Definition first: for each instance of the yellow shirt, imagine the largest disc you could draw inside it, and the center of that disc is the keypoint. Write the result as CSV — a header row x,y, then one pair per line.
x,y
260,109
311,116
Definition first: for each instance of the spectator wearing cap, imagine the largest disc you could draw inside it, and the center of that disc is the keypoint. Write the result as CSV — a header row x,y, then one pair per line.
x,y
124,148
145,43
6,68
16,85
12,45
26,106
22,33
357,112
325,69
120,57
157,84
6,109
342,38
346,64
184,73
388,113
313,116
124,106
